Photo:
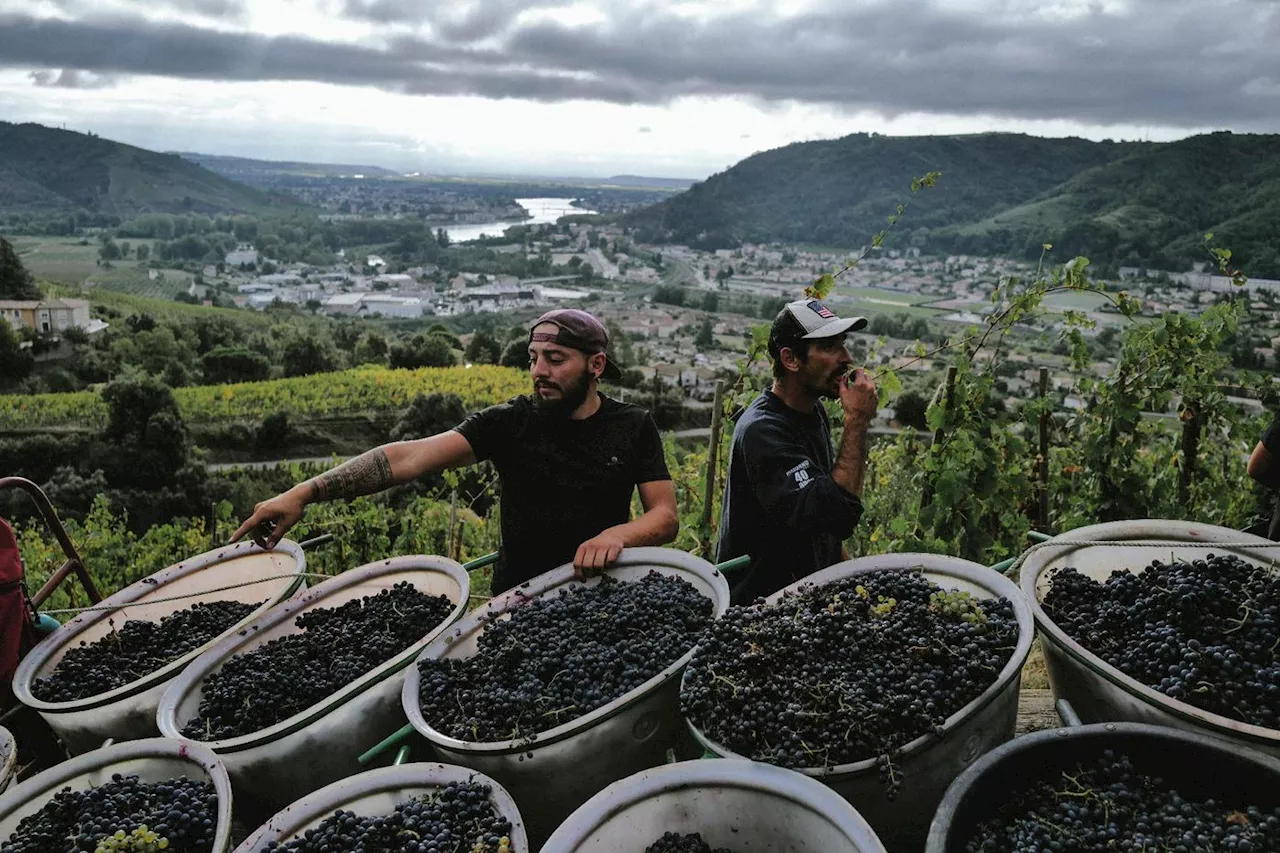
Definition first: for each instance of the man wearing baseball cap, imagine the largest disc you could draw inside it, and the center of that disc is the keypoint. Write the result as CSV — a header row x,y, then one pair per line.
x,y
568,460
790,500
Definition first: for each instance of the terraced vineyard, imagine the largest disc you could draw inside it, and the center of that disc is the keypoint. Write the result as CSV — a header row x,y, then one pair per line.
x,y
360,390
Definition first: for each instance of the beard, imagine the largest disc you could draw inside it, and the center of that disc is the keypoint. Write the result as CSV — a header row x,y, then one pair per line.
x,y
830,387
571,396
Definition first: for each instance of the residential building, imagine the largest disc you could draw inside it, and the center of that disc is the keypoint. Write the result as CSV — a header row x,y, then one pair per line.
x,y
49,315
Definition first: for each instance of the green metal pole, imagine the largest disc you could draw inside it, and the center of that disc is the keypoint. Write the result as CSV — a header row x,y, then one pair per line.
x,y
481,562
1004,566
734,564
387,744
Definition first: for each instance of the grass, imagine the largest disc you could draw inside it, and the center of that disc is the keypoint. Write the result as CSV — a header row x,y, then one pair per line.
x,y
1035,675
1076,300
880,294
64,260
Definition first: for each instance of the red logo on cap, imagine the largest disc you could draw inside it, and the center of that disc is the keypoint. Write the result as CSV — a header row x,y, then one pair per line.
x,y
821,310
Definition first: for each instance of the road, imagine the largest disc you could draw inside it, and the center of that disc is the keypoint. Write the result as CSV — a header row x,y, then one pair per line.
x,y
271,463
601,265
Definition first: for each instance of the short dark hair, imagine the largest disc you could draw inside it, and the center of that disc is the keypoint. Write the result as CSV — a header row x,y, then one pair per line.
x,y
786,331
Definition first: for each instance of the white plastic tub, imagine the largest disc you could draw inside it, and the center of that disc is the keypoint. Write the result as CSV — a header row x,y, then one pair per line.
x,y
152,760
1098,691
129,712
8,758
281,763
378,792
552,773
745,806
928,764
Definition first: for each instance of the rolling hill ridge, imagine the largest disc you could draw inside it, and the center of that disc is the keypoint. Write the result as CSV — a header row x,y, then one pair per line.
x,y
47,170
1138,203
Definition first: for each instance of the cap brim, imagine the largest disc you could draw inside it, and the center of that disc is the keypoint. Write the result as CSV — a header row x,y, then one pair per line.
x,y
611,372
838,327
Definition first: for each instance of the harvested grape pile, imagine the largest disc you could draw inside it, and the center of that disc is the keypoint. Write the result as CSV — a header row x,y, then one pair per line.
x,y
847,671
459,817
1108,804
137,649
180,814
1205,632
674,842
337,645
562,656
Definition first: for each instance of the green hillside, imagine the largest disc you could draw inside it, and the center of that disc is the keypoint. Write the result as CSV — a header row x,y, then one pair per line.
x,y
232,167
1135,203
46,170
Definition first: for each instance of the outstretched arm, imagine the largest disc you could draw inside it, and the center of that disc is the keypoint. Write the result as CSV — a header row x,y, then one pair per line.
x,y
373,471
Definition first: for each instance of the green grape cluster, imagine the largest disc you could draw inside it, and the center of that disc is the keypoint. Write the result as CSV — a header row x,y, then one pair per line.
x,y
958,604
884,606
141,840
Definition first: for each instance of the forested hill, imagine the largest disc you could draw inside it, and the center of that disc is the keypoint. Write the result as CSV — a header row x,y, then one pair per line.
x,y
1139,203
47,170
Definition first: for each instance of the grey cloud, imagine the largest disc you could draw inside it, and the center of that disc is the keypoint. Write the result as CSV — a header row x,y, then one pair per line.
x,y
1169,62
234,10
461,22
71,78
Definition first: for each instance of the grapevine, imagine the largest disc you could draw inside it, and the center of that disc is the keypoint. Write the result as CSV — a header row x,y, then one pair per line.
x,y
362,389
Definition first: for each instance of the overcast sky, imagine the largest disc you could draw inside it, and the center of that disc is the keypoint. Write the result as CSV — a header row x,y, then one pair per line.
x,y
602,87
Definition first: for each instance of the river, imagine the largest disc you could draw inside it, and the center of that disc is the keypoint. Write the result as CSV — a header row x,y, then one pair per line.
x,y
542,210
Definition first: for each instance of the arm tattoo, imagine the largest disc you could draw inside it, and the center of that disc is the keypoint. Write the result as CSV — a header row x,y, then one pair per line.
x,y
368,473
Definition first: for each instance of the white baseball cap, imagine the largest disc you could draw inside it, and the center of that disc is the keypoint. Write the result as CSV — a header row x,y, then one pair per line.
x,y
818,321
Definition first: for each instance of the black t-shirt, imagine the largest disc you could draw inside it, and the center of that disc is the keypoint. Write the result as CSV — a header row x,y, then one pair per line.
x,y
1271,438
562,481
781,505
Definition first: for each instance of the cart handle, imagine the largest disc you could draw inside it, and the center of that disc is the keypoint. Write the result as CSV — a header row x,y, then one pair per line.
x,y
73,562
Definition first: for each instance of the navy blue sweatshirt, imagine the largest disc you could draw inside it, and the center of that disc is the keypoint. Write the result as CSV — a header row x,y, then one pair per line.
x,y
781,505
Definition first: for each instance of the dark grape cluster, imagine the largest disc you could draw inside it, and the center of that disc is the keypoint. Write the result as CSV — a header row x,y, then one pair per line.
x,y
846,671
674,842
1109,804
136,650
180,813
1205,632
336,646
562,656
459,817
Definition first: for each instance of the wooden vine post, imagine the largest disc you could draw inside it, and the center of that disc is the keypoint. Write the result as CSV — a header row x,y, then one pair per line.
x,y
1190,447
451,540
1042,473
948,399
713,456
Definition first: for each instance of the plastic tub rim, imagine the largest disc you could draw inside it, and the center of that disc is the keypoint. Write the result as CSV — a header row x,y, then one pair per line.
x,y
325,801
199,669
967,570
528,591
55,778
8,756
1059,638
946,812
24,676
700,772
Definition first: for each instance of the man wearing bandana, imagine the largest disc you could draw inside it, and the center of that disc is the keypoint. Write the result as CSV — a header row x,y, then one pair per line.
x,y
568,460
